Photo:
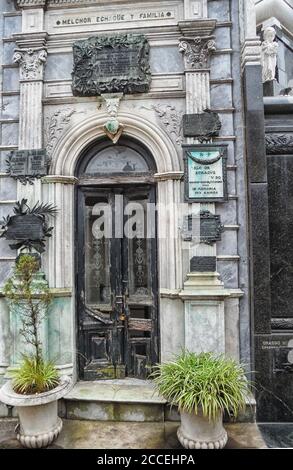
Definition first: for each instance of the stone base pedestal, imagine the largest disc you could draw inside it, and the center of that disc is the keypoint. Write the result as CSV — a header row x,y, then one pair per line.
x,y
204,295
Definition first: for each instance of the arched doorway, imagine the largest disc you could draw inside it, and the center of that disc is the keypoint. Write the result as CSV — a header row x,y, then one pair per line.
x,y
116,282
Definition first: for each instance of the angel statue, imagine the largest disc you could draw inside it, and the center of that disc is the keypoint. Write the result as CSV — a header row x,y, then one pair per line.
x,y
269,52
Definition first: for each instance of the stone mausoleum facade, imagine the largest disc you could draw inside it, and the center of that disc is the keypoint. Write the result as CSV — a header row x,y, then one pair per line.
x,y
140,104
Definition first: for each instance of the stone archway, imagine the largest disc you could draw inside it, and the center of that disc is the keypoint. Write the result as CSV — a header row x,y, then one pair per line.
x,y
58,189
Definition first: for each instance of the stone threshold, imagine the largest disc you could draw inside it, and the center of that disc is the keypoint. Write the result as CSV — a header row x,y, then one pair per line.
x,y
128,400
127,390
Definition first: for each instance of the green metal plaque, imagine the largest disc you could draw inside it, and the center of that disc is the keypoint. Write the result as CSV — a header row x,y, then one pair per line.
x,y
205,173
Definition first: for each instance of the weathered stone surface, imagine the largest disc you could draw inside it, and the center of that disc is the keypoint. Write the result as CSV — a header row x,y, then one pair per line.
x,y
204,125
101,435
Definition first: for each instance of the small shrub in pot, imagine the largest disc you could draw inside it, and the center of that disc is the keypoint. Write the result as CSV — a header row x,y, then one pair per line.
x,y
203,386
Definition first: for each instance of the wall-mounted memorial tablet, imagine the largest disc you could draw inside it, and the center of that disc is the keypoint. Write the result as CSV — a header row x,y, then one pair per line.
x,y
111,64
26,165
204,227
203,264
205,173
27,226
202,126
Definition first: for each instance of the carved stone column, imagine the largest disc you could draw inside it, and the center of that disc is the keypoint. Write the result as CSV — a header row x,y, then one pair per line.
x,y
197,44
58,263
170,249
203,293
31,55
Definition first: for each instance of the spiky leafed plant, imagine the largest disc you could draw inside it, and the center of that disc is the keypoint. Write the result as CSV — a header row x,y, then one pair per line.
x,y
211,383
35,374
34,377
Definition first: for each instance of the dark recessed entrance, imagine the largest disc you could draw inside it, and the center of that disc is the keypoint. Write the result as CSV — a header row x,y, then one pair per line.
x,y
116,262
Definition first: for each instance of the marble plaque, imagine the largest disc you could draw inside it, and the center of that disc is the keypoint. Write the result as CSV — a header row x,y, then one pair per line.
x,y
25,165
111,64
111,17
205,173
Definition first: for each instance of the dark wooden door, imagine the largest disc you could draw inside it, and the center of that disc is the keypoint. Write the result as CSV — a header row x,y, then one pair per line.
x,y
116,282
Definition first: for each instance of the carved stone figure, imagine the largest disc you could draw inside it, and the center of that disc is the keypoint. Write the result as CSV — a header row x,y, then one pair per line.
x,y
269,52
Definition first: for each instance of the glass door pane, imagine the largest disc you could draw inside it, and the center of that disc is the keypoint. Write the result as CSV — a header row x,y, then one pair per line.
x,y
97,259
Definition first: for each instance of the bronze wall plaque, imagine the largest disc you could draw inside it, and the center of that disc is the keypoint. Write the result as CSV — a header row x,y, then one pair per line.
x,y
111,64
209,227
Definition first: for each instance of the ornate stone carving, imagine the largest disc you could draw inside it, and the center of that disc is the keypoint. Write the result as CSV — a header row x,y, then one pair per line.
x,y
188,443
55,126
31,62
113,128
40,440
111,64
197,51
31,3
112,103
172,121
279,144
269,52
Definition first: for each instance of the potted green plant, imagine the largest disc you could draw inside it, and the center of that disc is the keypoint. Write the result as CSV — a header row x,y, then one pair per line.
x,y
36,384
203,386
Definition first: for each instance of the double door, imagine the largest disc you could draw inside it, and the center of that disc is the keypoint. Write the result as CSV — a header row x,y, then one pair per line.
x,y
116,282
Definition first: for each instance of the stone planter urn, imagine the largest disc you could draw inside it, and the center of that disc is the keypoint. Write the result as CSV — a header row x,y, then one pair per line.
x,y
197,432
39,423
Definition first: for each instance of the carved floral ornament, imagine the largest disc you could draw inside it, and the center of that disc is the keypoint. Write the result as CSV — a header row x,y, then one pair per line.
x,y
31,62
197,50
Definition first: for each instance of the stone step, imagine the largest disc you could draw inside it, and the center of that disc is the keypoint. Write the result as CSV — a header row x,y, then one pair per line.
x,y
127,399
114,400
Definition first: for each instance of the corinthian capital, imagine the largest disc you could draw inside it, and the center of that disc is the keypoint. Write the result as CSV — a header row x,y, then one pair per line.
x,y
197,51
31,63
